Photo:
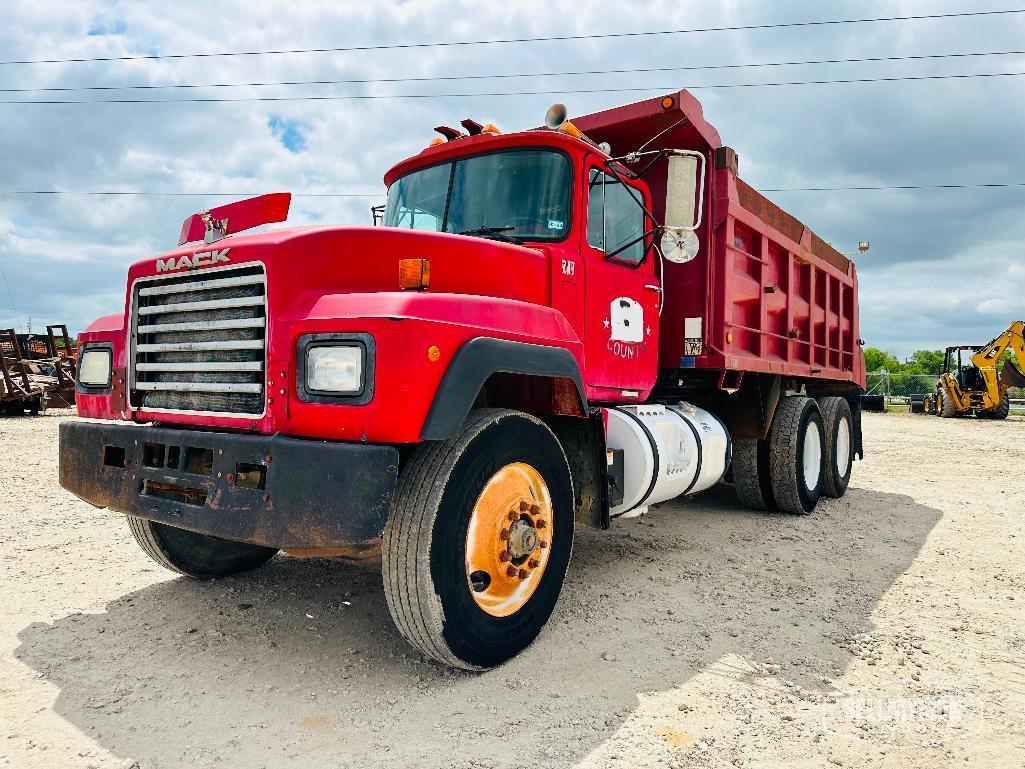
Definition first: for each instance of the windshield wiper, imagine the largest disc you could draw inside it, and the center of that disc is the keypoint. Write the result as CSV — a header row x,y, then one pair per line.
x,y
492,233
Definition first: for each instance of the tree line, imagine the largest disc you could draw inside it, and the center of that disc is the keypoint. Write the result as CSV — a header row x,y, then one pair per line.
x,y
919,362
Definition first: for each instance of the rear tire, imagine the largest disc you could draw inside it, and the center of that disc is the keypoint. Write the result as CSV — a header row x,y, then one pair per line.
x,y
477,620
751,474
946,409
196,555
837,425
796,455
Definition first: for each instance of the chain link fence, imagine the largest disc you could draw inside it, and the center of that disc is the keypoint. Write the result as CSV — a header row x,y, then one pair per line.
x,y
904,385
898,388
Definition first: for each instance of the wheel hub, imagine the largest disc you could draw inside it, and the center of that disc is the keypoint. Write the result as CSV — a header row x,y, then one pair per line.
x,y
508,539
523,539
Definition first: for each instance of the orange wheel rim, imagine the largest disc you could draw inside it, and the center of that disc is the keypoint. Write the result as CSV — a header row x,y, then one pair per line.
x,y
508,539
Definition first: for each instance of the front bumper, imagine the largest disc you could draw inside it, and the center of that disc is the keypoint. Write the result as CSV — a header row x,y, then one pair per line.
x,y
303,496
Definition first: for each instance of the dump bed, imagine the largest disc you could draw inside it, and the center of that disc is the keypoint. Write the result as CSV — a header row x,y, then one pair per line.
x,y
764,293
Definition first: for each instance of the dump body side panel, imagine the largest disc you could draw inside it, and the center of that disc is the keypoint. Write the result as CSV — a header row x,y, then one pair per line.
x,y
764,294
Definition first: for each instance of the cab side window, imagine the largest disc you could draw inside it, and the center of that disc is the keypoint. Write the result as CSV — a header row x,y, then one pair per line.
x,y
614,219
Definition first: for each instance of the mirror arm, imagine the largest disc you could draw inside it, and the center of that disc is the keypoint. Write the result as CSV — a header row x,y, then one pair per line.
x,y
650,233
638,199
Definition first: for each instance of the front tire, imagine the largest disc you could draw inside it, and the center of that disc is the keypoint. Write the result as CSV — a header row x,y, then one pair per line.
x,y
193,554
796,455
837,424
1001,411
479,539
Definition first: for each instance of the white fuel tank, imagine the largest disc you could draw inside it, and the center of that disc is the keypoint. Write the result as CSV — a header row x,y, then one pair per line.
x,y
667,451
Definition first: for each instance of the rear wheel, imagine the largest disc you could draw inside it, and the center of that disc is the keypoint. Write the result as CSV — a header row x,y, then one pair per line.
x,y
837,428
945,405
196,555
751,474
479,540
796,455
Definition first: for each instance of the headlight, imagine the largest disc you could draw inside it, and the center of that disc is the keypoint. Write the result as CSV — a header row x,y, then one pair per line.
x,y
94,367
336,369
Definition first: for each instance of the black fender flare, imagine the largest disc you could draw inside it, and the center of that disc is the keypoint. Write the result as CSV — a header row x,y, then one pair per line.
x,y
479,358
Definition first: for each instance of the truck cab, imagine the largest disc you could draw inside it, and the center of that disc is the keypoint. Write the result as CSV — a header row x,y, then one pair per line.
x,y
560,197
549,328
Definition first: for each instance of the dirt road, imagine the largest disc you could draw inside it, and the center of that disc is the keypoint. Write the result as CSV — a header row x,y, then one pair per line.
x,y
887,629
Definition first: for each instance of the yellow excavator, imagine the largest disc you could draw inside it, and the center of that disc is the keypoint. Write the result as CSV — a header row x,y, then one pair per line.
x,y
971,382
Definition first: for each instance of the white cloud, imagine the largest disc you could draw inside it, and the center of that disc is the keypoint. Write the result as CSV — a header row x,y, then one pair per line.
x,y
931,252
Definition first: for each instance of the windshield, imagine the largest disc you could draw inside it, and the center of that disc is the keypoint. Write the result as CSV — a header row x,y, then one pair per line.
x,y
521,194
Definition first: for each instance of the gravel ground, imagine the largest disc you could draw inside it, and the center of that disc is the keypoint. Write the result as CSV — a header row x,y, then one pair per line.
x,y
884,630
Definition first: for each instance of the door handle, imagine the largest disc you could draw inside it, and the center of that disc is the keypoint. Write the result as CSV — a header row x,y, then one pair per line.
x,y
661,295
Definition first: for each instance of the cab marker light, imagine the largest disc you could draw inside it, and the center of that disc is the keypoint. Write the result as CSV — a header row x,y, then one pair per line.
x,y
414,273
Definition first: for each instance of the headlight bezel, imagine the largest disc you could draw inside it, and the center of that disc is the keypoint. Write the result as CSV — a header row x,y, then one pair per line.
x,y
92,348
308,342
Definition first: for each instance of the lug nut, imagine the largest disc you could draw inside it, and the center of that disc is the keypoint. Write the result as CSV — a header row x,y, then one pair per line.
x,y
503,534
535,510
524,507
512,571
540,524
533,563
524,573
542,544
513,515
504,556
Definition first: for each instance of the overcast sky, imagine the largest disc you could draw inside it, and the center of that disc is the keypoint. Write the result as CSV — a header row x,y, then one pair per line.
x,y
945,266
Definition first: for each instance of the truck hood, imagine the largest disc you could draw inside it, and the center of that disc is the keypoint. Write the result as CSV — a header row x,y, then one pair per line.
x,y
305,263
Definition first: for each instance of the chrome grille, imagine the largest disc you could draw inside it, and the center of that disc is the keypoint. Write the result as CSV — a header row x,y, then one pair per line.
x,y
199,342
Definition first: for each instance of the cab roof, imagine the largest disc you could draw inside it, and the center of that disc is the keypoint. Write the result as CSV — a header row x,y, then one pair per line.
x,y
485,142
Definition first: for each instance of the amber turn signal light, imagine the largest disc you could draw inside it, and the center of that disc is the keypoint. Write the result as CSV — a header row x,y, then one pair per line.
x,y
667,102
414,273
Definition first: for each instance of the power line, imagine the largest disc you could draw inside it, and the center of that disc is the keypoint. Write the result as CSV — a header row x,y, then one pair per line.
x,y
854,188
505,76
190,194
563,91
503,41
864,188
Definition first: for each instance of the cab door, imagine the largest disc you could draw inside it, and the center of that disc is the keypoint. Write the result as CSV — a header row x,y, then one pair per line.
x,y
622,295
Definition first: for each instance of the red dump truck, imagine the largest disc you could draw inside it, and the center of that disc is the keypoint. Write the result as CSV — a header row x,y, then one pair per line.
x,y
554,327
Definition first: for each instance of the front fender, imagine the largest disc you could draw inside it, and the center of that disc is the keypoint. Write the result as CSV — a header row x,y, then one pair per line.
x,y
477,360
418,338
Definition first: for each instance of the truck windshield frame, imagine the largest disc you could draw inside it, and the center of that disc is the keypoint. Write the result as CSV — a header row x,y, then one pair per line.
x,y
482,192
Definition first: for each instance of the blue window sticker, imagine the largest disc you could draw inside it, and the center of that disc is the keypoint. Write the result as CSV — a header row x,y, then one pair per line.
x,y
556,224
687,361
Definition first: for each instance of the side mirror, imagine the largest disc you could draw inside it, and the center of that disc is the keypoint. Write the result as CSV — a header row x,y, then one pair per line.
x,y
685,198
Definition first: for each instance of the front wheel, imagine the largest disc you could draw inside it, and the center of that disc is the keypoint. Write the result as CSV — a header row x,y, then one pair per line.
x,y
479,540
193,554
1002,410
